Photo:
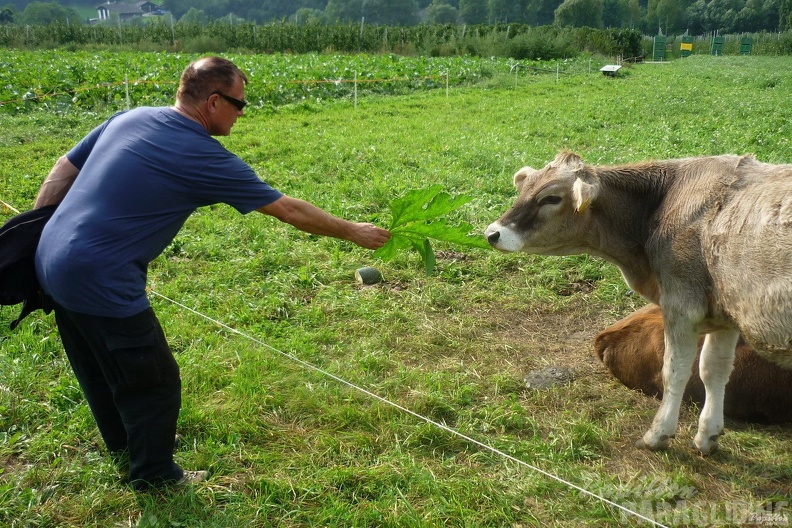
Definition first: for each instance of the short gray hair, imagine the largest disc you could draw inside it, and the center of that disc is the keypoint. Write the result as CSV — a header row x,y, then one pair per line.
x,y
207,75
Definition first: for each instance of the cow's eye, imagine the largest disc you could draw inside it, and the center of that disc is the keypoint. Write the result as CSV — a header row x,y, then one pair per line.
x,y
550,200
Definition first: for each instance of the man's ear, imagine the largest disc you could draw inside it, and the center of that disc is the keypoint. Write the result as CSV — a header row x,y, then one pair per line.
x,y
212,106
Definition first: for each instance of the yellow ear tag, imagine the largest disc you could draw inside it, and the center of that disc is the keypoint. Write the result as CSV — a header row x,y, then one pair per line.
x,y
582,207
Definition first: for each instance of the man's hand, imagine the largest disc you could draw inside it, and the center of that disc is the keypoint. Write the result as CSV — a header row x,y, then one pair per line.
x,y
369,236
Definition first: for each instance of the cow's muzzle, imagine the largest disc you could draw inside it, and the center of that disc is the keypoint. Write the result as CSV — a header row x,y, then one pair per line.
x,y
492,234
503,238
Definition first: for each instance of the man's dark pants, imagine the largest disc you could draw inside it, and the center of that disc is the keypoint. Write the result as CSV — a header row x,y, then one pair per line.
x,y
132,385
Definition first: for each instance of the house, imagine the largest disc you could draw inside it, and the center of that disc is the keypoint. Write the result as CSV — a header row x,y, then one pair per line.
x,y
126,11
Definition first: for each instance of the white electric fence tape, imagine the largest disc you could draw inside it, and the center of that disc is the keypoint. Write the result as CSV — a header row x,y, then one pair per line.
x,y
408,411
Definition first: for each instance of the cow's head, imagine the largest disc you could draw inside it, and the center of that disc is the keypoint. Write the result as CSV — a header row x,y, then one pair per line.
x,y
550,215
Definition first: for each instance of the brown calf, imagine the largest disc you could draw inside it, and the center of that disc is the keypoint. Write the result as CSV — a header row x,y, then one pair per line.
x,y
632,350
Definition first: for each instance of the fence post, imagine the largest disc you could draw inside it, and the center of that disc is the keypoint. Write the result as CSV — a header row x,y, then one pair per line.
x,y
126,86
360,35
355,90
446,84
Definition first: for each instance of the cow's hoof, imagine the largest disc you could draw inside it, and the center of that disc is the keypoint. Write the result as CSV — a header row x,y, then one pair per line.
x,y
705,450
654,445
707,446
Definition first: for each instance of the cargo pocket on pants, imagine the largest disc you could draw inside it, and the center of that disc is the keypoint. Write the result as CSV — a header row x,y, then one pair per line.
x,y
137,357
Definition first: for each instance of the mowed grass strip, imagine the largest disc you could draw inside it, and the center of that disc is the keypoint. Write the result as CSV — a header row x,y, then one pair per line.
x,y
288,446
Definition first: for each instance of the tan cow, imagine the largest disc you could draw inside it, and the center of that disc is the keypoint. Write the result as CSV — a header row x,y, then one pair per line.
x,y
709,239
632,350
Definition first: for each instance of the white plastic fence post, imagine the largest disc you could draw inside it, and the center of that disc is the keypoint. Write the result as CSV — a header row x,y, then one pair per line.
x,y
360,36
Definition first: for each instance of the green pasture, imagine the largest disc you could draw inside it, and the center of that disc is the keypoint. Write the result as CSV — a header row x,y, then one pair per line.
x,y
288,445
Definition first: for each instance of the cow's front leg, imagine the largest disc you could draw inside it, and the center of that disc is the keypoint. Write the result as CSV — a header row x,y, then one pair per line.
x,y
680,350
715,366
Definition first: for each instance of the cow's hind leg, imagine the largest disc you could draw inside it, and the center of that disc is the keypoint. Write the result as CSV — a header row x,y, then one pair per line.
x,y
681,343
715,366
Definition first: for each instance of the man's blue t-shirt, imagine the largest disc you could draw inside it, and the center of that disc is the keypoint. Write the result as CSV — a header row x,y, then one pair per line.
x,y
142,173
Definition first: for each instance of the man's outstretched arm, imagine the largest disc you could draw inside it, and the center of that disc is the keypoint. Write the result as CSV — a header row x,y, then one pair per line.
x,y
311,219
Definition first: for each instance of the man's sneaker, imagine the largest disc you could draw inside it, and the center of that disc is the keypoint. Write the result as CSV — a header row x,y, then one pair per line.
x,y
188,478
192,477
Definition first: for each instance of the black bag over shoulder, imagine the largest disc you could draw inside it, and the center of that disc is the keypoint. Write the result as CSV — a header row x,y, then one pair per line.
x,y
19,238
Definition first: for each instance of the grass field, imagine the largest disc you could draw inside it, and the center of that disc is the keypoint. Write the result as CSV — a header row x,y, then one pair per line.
x,y
287,445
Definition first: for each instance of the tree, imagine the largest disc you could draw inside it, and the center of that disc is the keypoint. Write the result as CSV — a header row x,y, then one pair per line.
x,y
8,14
632,13
265,10
667,14
506,10
475,11
580,13
440,12
540,12
194,16
757,15
230,19
47,13
698,18
307,15
771,9
211,8
343,10
612,14
785,16
391,12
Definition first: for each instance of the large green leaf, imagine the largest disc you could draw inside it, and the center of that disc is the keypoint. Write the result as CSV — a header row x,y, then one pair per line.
x,y
418,216
441,230
424,204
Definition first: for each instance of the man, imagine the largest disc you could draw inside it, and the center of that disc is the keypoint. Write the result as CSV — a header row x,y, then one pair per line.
x,y
125,191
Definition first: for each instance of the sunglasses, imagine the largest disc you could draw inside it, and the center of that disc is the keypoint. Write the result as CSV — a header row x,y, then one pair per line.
x,y
240,105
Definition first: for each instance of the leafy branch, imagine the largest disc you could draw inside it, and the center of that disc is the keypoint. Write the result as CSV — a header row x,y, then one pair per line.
x,y
417,217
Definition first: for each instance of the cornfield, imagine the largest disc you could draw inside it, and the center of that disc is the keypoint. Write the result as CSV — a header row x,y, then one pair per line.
x,y
281,37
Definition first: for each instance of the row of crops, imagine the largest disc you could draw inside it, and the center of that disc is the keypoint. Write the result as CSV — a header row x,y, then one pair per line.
x,y
282,37
56,79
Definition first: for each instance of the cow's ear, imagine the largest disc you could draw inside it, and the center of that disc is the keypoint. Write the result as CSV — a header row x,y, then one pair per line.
x,y
521,175
583,194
